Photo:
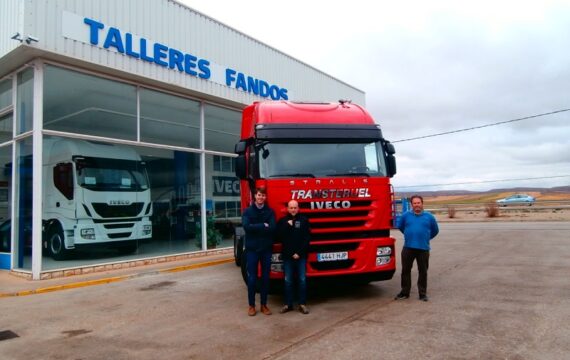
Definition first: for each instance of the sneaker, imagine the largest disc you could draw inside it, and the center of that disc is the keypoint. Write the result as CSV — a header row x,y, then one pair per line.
x,y
251,311
303,309
424,298
265,310
401,296
285,309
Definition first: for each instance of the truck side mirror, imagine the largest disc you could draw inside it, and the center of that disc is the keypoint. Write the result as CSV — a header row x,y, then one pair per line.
x,y
240,147
240,166
390,149
391,164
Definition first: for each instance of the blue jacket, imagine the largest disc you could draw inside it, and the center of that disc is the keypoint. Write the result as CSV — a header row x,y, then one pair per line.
x,y
418,230
257,236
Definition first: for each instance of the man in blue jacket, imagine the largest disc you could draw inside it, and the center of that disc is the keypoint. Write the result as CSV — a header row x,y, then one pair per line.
x,y
259,224
418,227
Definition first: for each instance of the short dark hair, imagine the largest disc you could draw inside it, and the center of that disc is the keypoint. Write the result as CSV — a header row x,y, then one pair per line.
x,y
417,197
261,190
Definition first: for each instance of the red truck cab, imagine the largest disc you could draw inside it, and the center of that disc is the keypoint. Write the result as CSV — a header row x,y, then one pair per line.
x,y
332,159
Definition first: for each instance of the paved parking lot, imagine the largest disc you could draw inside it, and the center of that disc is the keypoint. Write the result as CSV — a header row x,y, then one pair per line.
x,y
497,291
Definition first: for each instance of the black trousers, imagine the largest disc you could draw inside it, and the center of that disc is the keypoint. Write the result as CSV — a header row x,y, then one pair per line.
x,y
422,259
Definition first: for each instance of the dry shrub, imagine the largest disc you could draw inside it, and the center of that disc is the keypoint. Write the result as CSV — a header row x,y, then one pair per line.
x,y
451,211
492,210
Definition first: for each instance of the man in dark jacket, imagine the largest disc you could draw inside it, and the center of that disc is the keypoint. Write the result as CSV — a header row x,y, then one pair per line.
x,y
294,233
259,224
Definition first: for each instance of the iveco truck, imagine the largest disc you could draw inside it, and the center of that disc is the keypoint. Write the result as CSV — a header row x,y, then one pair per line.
x,y
334,160
94,194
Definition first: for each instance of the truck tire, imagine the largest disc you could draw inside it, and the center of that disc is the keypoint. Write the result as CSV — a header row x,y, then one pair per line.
x,y
56,243
238,249
243,266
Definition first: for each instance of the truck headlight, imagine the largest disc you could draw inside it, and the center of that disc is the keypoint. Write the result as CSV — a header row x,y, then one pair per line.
x,y
277,262
382,260
147,229
88,233
383,250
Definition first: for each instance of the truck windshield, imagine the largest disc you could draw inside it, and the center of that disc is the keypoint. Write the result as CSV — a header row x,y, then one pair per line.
x,y
321,160
100,174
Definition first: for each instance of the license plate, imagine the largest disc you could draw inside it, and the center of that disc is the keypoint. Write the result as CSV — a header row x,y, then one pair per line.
x,y
332,256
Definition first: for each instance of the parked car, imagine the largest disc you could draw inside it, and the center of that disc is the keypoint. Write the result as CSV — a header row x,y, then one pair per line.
x,y
516,199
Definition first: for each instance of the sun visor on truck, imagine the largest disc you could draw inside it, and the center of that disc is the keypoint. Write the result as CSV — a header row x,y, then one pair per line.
x,y
316,132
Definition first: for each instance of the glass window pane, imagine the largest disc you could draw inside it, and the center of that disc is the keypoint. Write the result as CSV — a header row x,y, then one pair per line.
x,y
5,199
5,93
222,190
222,128
87,104
168,119
118,202
25,99
23,224
6,124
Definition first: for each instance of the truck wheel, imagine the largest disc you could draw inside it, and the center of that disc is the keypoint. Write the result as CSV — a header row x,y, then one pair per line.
x,y
243,266
56,243
238,250
127,247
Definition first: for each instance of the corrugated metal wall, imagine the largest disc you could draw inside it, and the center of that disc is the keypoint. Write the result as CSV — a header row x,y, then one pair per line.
x,y
11,22
179,27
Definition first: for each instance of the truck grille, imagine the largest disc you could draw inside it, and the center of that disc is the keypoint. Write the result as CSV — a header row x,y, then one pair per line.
x,y
340,220
117,211
119,226
119,235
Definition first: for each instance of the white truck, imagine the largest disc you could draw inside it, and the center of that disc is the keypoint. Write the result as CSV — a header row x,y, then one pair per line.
x,y
94,194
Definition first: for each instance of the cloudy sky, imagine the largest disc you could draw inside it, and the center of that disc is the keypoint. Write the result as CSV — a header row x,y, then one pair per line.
x,y
429,67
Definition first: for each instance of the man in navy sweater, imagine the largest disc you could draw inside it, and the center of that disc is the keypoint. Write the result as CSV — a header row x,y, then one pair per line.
x,y
418,227
259,224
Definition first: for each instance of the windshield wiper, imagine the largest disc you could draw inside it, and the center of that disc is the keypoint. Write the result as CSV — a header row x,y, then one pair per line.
x,y
294,175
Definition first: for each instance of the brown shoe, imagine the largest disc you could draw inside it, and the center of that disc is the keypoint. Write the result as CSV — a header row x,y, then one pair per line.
x,y
265,310
251,311
303,309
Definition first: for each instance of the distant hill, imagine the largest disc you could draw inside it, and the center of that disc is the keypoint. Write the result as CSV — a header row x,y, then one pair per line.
x,y
554,193
440,193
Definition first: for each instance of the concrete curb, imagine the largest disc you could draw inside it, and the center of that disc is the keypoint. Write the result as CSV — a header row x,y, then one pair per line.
x,y
113,279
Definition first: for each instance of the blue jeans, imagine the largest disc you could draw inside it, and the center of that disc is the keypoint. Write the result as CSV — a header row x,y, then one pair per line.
x,y
254,258
299,268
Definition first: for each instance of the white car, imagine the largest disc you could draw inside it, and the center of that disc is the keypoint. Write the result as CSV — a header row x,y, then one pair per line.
x,y
516,199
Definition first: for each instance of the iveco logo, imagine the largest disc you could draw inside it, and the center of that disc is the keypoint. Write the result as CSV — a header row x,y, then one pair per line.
x,y
119,202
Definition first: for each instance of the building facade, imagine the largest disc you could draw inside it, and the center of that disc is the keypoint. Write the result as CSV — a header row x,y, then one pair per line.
x,y
117,126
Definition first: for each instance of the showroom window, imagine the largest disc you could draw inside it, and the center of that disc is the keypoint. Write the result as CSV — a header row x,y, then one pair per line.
x,y
170,120
5,195
222,128
5,94
223,197
6,117
113,202
90,105
22,250
25,99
